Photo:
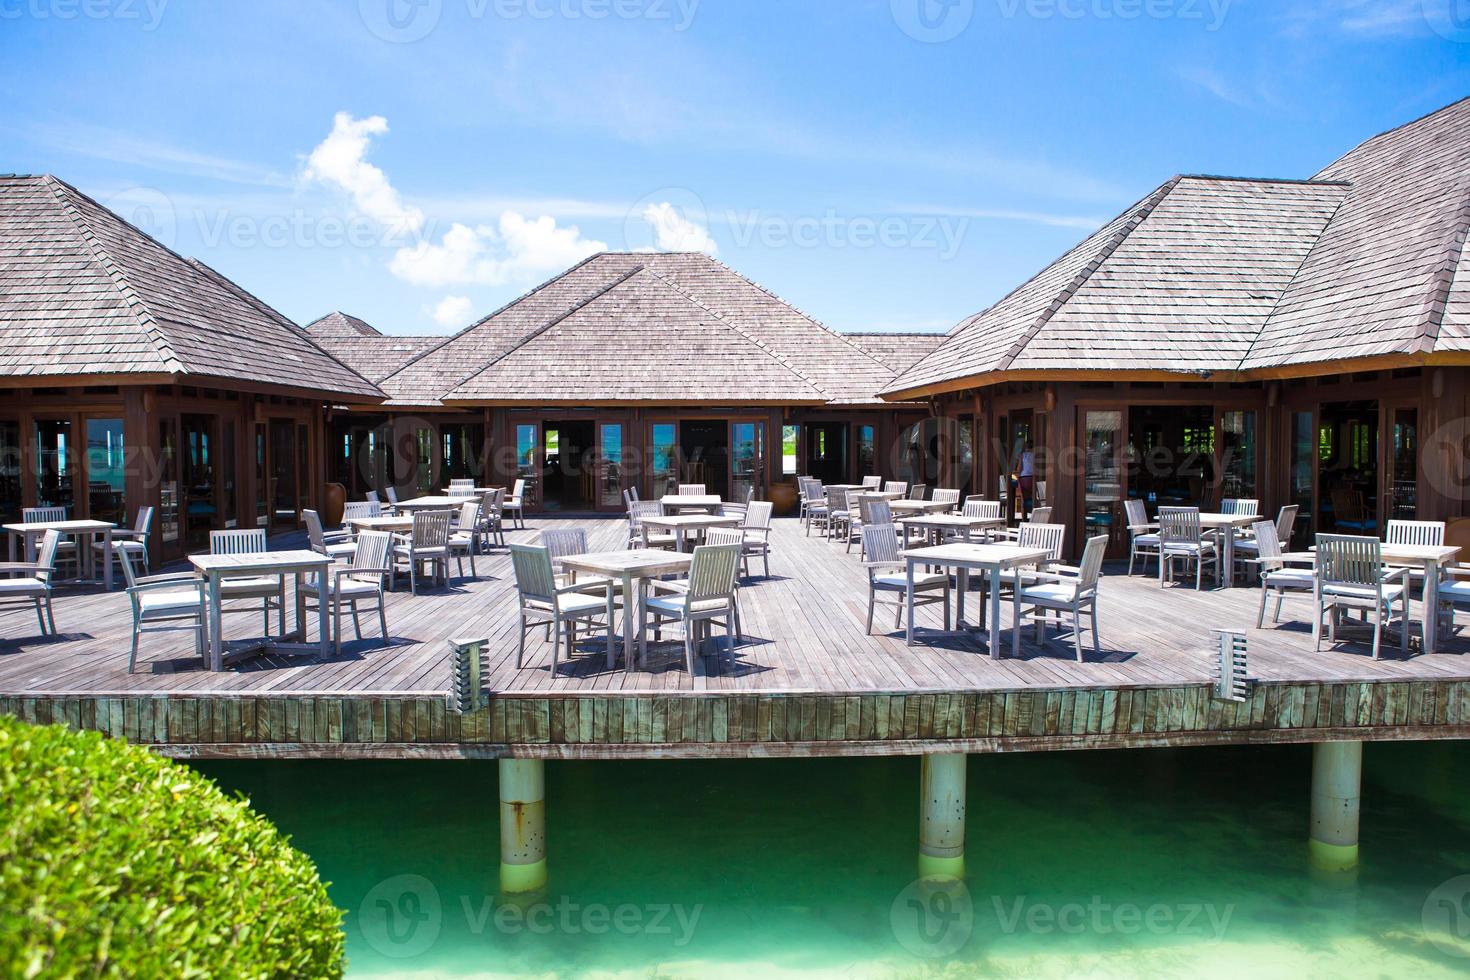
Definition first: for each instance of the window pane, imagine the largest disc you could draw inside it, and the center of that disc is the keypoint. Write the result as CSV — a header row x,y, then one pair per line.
x,y
867,458
10,502
1301,472
665,463
610,466
168,487
105,470
1102,483
1404,504
788,449
1238,470
54,464
746,455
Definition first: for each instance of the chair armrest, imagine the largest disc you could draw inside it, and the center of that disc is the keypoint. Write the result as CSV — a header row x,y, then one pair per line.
x,y
581,587
175,582
167,577
127,532
1455,571
677,586
884,564
22,566
1143,527
1397,574
1058,570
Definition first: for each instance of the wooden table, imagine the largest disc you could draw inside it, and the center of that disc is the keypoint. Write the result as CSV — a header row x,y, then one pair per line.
x,y
393,525
472,492
216,568
682,524
937,524
990,559
1229,524
909,508
83,532
433,502
709,503
1430,557
638,565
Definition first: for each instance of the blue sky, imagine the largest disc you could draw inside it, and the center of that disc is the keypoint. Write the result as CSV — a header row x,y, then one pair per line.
x,y
884,164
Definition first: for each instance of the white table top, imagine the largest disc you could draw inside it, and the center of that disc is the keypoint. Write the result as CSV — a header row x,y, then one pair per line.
x,y
1208,519
1401,553
691,500
952,520
435,500
919,506
985,555
381,523
690,520
259,562
640,562
66,527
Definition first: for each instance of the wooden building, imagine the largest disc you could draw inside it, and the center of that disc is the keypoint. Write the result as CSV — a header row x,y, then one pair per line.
x,y
628,370
132,376
1296,341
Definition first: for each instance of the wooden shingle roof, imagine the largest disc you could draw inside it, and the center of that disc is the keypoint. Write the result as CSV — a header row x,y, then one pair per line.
x,y
364,348
900,350
1235,278
84,294
690,297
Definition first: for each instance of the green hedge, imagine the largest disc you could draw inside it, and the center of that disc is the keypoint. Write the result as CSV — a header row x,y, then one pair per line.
x,y
114,861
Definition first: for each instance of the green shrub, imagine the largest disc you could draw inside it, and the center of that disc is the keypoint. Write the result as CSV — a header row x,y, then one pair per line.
x,y
114,861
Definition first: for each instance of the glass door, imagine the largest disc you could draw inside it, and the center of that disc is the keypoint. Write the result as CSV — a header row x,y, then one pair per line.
x,y
10,487
1103,481
284,489
664,461
1401,492
528,462
747,460
610,468
55,462
106,469
199,481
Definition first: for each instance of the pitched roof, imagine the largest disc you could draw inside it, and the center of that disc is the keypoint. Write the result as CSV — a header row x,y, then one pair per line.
x,y
364,348
82,292
897,349
1212,274
801,360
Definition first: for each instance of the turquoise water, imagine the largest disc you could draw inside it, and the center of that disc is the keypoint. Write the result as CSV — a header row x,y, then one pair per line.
x,y
1159,862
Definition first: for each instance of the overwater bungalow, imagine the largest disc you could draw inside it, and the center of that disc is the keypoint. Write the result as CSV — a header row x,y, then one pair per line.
x,y
629,370
1297,341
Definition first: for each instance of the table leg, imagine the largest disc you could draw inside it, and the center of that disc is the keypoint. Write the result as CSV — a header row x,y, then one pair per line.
x,y
216,639
107,560
13,536
323,622
995,613
961,590
1227,557
1431,607
908,598
632,618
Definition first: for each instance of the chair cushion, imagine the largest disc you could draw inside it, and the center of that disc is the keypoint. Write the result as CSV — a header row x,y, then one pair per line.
x,y
1290,578
404,551
167,602
341,550
1366,593
573,603
21,586
347,586
1150,540
1456,591
1060,592
118,545
255,585
898,580
673,605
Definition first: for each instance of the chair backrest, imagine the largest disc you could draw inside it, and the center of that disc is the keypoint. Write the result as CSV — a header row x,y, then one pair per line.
x,y
1349,559
1286,523
314,530
534,576
1179,525
691,490
628,498
469,515
641,509
724,535
372,550
1135,511
1268,545
880,542
758,514
518,491
879,512
456,484
916,492
238,541
951,497
392,495
431,528
712,571
46,554
633,492
872,482
1090,568
373,498
490,505
976,507
143,520
361,508
1041,515
1347,504
37,515
564,541
896,486
1416,532
1048,536
1240,506
836,499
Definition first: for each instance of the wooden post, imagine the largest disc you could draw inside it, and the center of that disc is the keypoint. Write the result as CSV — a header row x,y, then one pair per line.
x,y
1337,770
942,816
522,825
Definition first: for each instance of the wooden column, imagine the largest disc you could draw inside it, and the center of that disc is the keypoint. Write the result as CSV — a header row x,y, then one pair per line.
x,y
1065,474
522,825
140,450
1337,770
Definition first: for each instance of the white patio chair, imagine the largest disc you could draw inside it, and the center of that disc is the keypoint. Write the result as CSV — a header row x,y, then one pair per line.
x,y
130,542
565,541
839,516
31,581
1181,540
872,483
383,508
1143,534
1277,577
1240,506
492,517
640,535
515,504
916,492
392,493
696,603
950,497
691,490
179,599
755,536
1034,535
895,486
269,589
816,506
867,509
66,548
1063,590
738,507
336,545
360,508
544,603
1246,548
887,573
1041,515
427,544
461,488
1351,575
1429,533
363,578
464,536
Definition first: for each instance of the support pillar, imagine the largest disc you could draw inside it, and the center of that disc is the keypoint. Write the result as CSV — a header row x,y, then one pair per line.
x,y
942,816
522,825
1337,772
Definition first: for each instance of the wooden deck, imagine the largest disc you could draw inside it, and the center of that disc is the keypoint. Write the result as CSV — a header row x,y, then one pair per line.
x,y
805,654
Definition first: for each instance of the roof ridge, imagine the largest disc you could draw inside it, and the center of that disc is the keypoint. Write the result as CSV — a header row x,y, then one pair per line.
x,y
771,352
799,311
537,331
349,317
1389,132
1143,210
1286,288
144,316
1263,180
1443,278
487,318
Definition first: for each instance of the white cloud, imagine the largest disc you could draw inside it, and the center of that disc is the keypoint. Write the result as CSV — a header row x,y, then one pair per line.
x,y
451,311
675,233
340,160
518,249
